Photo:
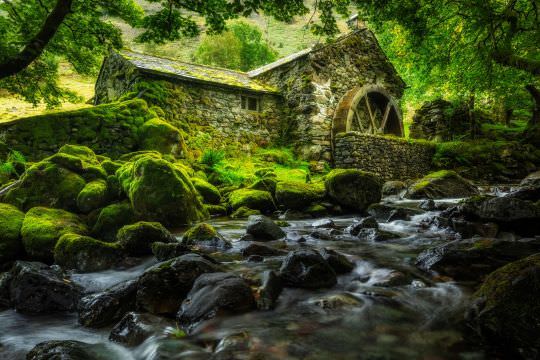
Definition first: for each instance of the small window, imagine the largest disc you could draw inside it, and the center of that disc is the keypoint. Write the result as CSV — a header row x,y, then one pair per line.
x,y
250,103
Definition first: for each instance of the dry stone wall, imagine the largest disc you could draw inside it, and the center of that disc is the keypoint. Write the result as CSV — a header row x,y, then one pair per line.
x,y
391,158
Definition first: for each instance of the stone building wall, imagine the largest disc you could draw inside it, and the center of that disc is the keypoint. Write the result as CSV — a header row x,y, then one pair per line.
x,y
190,105
392,158
315,82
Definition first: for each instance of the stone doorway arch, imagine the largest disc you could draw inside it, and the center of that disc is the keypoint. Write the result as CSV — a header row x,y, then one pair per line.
x,y
370,110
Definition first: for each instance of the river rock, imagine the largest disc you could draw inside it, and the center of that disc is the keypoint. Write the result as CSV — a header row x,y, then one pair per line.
x,y
269,291
511,214
212,295
163,287
337,261
86,254
325,234
70,350
472,259
353,189
307,269
441,184
370,234
393,188
261,249
137,239
11,220
528,189
263,228
134,328
167,251
506,311
5,283
366,223
38,288
337,301
205,235
107,307
324,224
385,212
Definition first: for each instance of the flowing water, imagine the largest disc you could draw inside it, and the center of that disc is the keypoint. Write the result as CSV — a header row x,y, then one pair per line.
x,y
368,315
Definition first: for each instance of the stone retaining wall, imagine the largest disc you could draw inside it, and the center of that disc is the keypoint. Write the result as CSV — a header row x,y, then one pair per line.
x,y
392,158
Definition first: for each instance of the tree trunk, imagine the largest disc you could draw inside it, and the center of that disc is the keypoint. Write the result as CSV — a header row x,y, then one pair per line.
x,y
535,93
472,117
508,113
37,44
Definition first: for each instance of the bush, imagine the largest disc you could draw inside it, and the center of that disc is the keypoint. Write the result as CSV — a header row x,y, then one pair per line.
x,y
212,157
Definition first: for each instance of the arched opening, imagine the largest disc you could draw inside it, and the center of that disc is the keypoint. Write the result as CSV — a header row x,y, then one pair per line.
x,y
369,110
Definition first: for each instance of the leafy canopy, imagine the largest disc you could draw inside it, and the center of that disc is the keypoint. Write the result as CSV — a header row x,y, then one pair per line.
x,y
241,47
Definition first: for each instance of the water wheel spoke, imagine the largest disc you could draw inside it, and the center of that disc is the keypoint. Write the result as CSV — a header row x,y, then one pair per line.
x,y
373,127
385,117
356,117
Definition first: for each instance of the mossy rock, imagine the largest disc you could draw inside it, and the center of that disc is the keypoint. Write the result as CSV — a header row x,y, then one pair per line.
x,y
86,254
137,239
11,220
111,166
160,191
133,156
506,311
209,192
159,135
265,173
316,210
216,210
205,235
353,189
79,159
265,184
42,227
111,218
46,184
296,195
244,212
440,185
93,196
253,199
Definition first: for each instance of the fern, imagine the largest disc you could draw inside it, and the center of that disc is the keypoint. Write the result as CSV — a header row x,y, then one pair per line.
x,y
212,157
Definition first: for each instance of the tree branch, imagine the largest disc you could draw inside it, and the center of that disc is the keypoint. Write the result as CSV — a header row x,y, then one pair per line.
x,y
517,62
37,44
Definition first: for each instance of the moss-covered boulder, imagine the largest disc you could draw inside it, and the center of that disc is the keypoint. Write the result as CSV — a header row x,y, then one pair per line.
x,y
42,227
110,166
79,159
93,196
11,220
296,195
253,199
216,210
244,212
441,184
86,254
506,310
160,191
205,235
266,184
46,184
353,189
209,192
111,218
137,239
159,135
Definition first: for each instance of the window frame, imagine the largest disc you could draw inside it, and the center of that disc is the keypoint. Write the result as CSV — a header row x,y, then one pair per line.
x,y
246,102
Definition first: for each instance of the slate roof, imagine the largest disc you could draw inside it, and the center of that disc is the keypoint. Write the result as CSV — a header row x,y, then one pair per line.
x,y
196,73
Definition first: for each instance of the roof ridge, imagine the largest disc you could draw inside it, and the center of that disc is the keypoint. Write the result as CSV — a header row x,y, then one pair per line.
x,y
185,62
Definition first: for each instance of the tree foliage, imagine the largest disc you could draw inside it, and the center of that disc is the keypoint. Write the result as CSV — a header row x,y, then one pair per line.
x,y
241,47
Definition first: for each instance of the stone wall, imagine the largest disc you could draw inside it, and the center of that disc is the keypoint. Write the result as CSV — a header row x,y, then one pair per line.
x,y
392,158
194,105
315,82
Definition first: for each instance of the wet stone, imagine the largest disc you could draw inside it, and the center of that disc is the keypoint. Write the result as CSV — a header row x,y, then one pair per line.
x,y
324,224
134,328
269,291
307,269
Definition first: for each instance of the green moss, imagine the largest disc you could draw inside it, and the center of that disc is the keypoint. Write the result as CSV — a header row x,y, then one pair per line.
x,y
206,235
46,184
42,227
160,191
137,239
441,184
110,166
244,212
353,189
11,220
159,135
296,195
111,218
83,253
253,199
216,210
316,210
209,192
266,184
94,195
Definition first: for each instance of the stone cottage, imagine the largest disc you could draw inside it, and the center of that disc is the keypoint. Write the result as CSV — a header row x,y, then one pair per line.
x,y
308,97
